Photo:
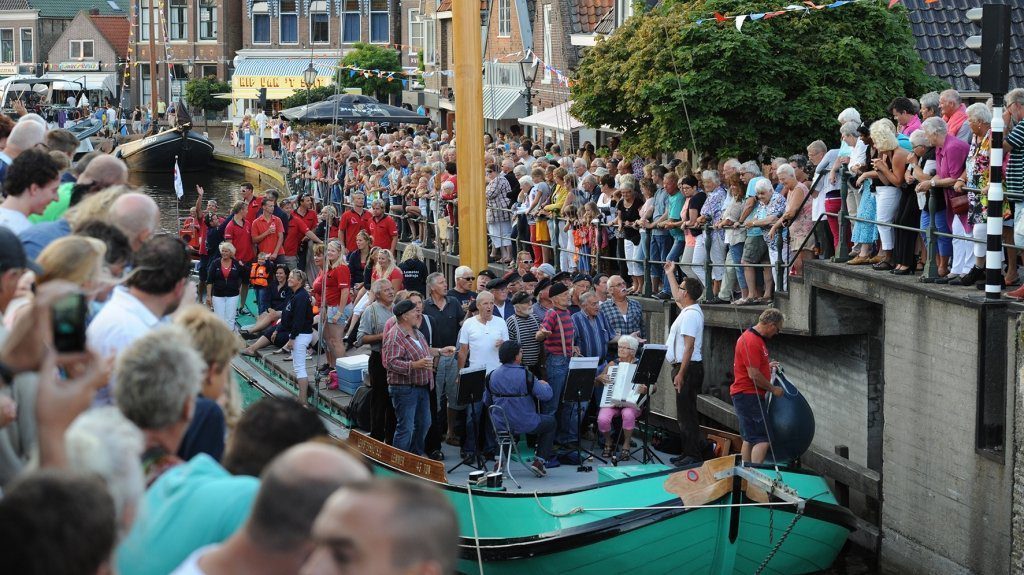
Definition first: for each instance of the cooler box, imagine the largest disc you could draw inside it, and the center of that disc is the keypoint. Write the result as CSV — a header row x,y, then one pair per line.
x,y
350,372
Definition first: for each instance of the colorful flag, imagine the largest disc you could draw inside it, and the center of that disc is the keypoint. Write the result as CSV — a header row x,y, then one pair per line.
x,y
179,187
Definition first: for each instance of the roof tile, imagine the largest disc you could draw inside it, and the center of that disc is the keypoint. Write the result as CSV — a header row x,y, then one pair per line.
x,y
14,5
67,9
591,12
116,29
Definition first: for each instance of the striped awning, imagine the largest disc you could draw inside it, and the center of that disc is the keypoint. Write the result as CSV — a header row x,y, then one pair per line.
x,y
285,66
503,103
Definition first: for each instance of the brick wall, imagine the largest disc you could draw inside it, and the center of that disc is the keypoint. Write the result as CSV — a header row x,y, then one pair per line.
x,y
82,28
563,54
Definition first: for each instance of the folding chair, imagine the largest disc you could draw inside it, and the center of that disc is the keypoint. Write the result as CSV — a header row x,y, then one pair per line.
x,y
508,443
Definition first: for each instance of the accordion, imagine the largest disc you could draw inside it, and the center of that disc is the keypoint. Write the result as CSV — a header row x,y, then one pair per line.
x,y
620,391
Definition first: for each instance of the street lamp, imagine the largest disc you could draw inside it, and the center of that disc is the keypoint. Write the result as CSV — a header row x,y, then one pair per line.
x,y
529,70
190,67
309,78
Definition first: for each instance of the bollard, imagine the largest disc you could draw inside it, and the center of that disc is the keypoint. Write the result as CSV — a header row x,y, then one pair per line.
x,y
842,491
843,252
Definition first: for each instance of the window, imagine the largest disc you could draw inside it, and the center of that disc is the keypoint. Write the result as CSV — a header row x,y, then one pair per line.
x,y
350,21
80,49
289,22
179,19
179,77
7,45
379,22
207,70
260,23
504,18
26,46
145,86
429,42
319,22
416,26
547,44
144,20
207,19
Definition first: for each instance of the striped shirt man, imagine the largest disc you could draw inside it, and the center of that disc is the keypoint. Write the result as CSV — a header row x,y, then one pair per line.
x,y
558,324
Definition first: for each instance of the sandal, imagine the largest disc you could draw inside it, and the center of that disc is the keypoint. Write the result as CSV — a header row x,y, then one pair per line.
x,y
624,455
607,451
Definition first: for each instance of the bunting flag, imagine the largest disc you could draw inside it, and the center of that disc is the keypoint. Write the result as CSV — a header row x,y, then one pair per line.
x,y
805,8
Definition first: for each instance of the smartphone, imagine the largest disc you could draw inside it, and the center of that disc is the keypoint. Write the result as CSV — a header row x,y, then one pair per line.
x,y
69,323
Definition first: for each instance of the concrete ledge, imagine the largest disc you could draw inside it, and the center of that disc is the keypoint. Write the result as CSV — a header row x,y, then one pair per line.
x,y
271,173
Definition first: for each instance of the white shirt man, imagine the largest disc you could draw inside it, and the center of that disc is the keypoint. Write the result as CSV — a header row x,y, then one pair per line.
x,y
261,123
685,340
483,340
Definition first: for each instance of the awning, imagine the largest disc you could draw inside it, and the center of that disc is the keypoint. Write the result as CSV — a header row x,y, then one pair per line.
x,y
503,104
282,77
88,80
556,118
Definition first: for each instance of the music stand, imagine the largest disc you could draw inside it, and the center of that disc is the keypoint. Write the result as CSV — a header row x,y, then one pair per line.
x,y
579,386
648,369
470,391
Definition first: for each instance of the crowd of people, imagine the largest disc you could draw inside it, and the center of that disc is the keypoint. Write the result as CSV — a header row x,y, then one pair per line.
x,y
135,435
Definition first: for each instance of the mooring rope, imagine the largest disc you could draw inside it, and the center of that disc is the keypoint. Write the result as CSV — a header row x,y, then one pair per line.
x,y
476,534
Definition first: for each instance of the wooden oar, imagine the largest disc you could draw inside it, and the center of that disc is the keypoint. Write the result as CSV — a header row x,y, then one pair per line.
x,y
698,486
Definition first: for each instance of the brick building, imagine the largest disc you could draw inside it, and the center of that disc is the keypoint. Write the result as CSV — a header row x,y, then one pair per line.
x,y
92,51
201,36
508,38
18,23
56,15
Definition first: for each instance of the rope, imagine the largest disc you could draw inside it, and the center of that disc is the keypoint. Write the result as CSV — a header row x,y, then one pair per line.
x,y
581,509
476,534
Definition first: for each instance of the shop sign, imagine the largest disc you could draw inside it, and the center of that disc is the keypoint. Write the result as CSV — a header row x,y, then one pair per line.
x,y
8,69
292,82
78,66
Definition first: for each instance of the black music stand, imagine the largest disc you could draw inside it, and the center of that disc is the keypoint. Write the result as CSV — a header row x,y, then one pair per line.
x,y
579,387
470,392
648,369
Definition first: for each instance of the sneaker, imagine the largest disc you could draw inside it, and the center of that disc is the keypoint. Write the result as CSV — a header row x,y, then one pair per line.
x,y
537,467
551,463
325,368
664,296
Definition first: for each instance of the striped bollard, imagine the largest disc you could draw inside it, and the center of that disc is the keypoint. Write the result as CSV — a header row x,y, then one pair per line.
x,y
994,221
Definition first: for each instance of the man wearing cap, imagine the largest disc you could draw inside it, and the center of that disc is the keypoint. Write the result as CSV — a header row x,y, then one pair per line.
x,y
409,362
529,283
543,305
479,339
557,332
522,328
499,289
580,286
515,284
482,278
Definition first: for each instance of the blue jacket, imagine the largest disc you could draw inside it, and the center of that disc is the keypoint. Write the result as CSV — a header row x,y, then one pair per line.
x,y
506,387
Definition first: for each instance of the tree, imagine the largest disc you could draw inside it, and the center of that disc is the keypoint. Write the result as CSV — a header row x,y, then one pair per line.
x,y
300,98
200,93
777,85
370,57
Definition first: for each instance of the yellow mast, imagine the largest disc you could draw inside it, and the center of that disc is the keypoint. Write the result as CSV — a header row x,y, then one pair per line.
x,y
469,121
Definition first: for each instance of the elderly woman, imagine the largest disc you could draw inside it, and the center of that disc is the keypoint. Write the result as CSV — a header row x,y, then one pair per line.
x,y
626,220
797,217
908,213
833,200
711,213
627,347
157,381
950,157
735,236
224,282
865,233
887,171
499,217
755,249
975,177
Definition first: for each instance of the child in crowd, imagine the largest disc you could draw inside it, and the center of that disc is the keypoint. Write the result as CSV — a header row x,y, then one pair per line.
x,y
259,275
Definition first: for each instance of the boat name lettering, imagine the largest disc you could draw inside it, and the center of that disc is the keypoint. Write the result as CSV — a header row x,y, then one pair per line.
x,y
370,449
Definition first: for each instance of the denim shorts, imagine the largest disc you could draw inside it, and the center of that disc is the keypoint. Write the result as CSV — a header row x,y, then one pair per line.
x,y
332,311
750,410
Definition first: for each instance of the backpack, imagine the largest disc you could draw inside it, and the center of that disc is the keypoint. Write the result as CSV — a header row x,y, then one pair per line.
x,y
358,410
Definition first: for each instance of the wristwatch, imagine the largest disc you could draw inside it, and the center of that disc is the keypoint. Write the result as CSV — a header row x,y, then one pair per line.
x,y
932,182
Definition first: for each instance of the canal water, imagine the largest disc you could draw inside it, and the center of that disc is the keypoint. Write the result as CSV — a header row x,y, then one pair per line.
x,y
223,184
218,182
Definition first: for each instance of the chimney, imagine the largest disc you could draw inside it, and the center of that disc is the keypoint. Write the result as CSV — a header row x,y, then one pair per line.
x,y
94,11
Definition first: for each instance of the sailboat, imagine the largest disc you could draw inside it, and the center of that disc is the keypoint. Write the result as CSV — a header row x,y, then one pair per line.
x,y
158,152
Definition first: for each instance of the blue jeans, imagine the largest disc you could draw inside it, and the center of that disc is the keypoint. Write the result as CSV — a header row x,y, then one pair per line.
x,y
566,415
736,255
660,247
678,247
945,245
412,412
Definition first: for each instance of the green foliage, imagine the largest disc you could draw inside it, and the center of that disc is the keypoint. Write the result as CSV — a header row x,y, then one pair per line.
x,y
774,87
315,95
200,93
371,57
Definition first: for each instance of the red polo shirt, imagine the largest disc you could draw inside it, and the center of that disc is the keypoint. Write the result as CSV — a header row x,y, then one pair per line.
x,y
751,351
297,229
261,225
384,230
351,223
240,236
254,209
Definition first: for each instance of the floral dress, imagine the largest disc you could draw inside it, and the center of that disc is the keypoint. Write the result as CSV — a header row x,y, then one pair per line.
x,y
713,208
977,177
865,232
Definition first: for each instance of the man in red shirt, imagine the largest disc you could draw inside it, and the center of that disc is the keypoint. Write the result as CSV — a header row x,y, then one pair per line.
x,y
752,372
268,232
385,230
355,220
204,222
298,230
239,232
254,204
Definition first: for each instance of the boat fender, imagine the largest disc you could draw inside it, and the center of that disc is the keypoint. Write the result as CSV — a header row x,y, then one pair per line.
x,y
790,420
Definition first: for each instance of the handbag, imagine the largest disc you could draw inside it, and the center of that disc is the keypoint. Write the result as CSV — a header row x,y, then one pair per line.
x,y
959,203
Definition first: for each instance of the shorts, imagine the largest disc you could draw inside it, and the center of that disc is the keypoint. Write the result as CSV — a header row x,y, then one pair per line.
x,y
275,144
755,250
266,141
333,311
750,410
246,270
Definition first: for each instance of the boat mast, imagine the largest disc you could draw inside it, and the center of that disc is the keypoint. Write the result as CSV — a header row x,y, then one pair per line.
x,y
152,66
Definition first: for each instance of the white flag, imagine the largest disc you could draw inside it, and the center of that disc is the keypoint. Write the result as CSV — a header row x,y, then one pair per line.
x,y
179,187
